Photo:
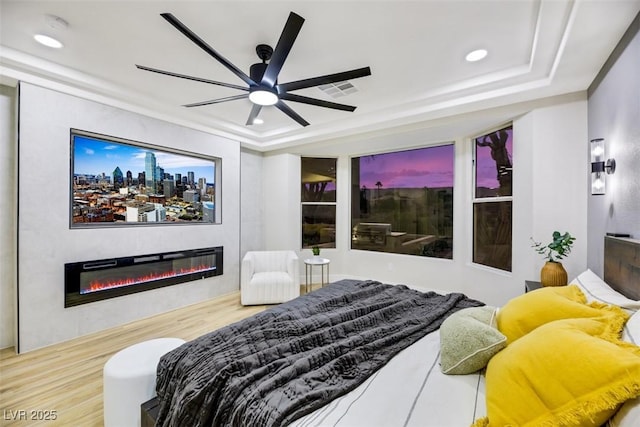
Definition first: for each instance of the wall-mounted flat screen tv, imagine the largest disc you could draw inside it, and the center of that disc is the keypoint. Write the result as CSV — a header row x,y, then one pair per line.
x,y
119,182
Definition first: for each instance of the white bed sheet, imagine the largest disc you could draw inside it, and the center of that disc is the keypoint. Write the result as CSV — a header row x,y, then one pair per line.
x,y
410,391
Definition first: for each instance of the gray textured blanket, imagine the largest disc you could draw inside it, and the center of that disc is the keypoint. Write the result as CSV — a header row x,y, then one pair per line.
x,y
292,359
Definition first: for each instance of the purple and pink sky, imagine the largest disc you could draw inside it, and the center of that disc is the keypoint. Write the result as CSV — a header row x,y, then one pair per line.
x,y
424,167
430,167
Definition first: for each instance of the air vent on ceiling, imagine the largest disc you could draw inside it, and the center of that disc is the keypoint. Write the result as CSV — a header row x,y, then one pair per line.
x,y
336,90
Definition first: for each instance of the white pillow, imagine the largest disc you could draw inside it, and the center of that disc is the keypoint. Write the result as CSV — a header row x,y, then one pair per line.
x,y
629,413
632,330
595,289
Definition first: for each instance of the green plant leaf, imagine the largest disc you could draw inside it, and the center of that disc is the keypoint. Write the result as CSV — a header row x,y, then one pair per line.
x,y
559,247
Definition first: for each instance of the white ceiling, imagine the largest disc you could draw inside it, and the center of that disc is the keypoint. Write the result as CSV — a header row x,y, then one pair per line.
x,y
416,49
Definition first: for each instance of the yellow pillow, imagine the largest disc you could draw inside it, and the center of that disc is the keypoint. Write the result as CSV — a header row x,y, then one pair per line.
x,y
572,372
523,314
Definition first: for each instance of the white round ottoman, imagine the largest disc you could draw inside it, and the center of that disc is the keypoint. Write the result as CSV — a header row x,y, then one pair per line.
x,y
129,379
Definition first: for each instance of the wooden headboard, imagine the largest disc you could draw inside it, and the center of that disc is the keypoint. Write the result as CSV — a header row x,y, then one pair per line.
x,y
622,265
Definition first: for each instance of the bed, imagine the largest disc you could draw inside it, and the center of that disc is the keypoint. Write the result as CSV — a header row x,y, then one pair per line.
x,y
363,353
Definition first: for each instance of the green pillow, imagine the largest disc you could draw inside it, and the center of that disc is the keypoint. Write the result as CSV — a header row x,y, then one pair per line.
x,y
468,340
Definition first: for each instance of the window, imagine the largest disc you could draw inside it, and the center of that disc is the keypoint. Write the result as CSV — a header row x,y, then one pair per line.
x,y
402,202
318,202
493,198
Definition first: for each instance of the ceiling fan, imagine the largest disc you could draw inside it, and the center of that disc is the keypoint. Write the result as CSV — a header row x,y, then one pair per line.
x,y
262,87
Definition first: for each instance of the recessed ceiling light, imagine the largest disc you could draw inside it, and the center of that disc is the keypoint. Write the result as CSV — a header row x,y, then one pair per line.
x,y
258,121
476,55
48,41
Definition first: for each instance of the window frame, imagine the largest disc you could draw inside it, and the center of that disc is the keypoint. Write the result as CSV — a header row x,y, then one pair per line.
x,y
334,203
453,143
496,199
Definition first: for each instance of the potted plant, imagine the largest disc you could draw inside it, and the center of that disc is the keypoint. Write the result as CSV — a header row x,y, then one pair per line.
x,y
316,251
553,272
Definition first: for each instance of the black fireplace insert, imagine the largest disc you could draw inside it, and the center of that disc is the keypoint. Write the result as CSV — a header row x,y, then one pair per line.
x,y
90,281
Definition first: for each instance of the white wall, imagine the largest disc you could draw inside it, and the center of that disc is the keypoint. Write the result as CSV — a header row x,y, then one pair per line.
x,y
614,114
46,242
251,202
281,196
559,177
7,216
549,194
550,186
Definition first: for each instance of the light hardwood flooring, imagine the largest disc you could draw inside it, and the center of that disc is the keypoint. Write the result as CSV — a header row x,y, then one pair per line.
x,y
67,377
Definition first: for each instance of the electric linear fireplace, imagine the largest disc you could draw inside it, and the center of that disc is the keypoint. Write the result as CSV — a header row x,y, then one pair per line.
x,y
91,281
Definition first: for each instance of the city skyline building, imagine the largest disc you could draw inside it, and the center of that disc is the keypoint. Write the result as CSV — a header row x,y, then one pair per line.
x,y
150,169
169,188
208,212
191,196
159,174
118,178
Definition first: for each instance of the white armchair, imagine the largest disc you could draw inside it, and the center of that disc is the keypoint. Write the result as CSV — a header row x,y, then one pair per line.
x,y
269,277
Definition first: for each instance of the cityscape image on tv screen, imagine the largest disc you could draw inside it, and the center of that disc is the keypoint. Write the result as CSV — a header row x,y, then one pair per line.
x,y
127,183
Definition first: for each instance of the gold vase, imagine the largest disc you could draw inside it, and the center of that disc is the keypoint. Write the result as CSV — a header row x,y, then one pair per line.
x,y
553,274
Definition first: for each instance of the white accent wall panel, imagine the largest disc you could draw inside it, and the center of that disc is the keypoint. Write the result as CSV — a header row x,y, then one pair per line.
x,y
46,241
7,215
251,199
559,180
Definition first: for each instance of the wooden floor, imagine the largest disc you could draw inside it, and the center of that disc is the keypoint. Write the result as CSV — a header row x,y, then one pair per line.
x,y
66,379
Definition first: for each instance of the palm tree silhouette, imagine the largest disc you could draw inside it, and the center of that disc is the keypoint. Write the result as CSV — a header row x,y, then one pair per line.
x,y
378,184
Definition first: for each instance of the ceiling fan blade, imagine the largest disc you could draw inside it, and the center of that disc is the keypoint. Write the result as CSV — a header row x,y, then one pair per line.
x,y
197,79
314,101
204,46
289,112
323,80
253,114
217,101
280,53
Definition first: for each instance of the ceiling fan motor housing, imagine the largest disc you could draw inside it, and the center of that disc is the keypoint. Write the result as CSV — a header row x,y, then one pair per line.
x,y
257,71
264,52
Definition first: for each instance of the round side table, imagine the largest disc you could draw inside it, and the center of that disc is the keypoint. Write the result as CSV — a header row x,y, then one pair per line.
x,y
309,263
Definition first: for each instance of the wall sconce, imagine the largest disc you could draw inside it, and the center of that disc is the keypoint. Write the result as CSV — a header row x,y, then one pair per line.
x,y
599,166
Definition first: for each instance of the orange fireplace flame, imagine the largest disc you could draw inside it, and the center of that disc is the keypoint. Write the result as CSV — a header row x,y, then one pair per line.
x,y
97,285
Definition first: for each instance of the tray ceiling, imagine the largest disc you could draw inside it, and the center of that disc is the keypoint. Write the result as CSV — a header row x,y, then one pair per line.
x,y
416,51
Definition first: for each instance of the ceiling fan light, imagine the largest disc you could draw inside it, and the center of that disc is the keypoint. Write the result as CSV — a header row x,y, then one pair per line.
x,y
263,97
